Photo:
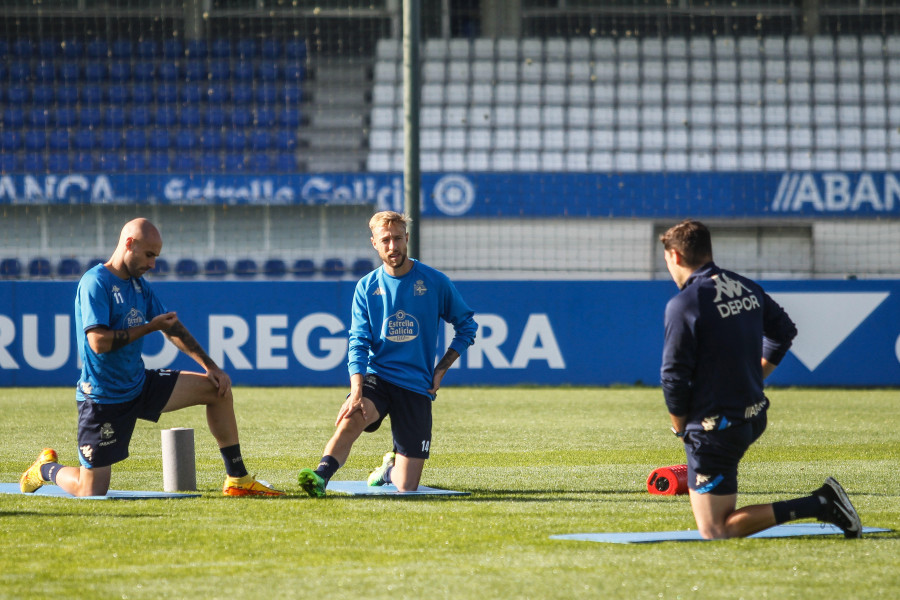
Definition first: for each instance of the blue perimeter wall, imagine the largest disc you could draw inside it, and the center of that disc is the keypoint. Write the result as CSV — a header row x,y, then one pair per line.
x,y
531,332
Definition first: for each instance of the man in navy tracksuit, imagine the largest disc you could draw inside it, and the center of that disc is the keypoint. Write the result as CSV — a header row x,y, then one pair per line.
x,y
723,336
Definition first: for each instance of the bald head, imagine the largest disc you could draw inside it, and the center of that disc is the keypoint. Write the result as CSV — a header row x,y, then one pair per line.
x,y
139,244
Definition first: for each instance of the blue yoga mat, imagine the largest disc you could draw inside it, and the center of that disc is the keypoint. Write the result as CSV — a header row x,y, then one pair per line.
x,y
56,491
361,488
692,535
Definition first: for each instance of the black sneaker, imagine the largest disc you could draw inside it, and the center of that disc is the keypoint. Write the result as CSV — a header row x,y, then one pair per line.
x,y
838,509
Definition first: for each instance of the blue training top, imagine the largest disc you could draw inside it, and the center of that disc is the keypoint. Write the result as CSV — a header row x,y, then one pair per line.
x,y
395,324
105,300
718,329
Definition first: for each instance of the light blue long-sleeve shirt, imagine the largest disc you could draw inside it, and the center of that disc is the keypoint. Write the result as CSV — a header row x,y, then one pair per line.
x,y
396,321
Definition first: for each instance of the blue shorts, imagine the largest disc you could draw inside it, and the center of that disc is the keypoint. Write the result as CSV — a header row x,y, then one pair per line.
x,y
410,415
713,456
104,430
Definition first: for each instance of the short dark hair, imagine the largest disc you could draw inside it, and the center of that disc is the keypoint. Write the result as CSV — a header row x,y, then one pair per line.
x,y
691,240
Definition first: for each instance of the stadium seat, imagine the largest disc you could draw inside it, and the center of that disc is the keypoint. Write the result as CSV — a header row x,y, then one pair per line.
x,y
187,267
242,71
194,71
134,162
186,140
121,48
333,267
184,163
211,139
39,267
166,93
13,117
144,71
303,267
167,71
10,141
245,267
173,48
221,48
58,139
10,268
270,49
114,117
235,162
158,162
83,162
38,117
160,268
236,140
210,163
215,267
362,266
214,117
191,94
94,72
65,117
44,72
142,94
140,117
196,49
69,267
43,95
148,49
35,140
274,267
119,71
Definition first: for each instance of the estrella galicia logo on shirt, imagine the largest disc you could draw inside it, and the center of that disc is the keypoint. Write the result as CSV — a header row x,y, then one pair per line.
x,y
134,318
734,291
401,327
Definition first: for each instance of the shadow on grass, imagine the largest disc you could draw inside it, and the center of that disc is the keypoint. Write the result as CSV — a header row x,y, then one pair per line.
x,y
66,514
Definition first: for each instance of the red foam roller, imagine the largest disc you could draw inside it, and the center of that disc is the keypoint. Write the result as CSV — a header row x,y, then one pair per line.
x,y
668,481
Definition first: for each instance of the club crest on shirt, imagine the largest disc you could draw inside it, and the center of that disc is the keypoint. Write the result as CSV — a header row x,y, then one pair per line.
x,y
401,327
419,288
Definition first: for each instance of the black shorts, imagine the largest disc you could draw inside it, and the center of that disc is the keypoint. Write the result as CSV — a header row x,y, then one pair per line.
x,y
410,415
104,430
713,456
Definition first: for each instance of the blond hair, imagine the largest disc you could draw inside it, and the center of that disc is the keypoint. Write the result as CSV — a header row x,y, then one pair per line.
x,y
386,218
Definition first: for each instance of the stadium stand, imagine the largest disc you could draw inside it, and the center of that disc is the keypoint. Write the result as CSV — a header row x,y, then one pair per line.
x,y
39,267
10,268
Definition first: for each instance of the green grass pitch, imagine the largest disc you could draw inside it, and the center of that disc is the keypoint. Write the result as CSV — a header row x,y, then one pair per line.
x,y
538,462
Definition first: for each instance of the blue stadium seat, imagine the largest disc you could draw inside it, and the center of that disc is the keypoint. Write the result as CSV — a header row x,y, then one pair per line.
x,y
43,95
19,72
173,48
142,93
10,140
235,162
117,95
219,70
158,162
285,140
303,267
38,117
286,163
270,49
48,48
119,71
83,162
210,163
91,95
165,116
275,267
292,94
190,117
241,95
333,267
167,93
35,140
134,162
97,49
72,48
39,267
10,268
267,71
9,163
67,95
69,267
58,162
69,72
260,139
159,138
144,71
186,140
84,139
4,72
187,267
135,139
241,118
191,93
246,48
108,162
294,71
211,139
245,267
184,163
90,116
197,49
160,268
58,139
216,93
122,48
114,117
94,72
194,70
44,71
148,49
18,95
110,139
167,71
363,266
23,48
267,94
235,140
65,117
215,267
13,117
295,49
260,163
33,162
265,117
214,117
140,116
4,48
242,71
289,117
220,48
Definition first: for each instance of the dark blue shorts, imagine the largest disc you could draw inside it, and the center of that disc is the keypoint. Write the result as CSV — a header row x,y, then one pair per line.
x,y
713,456
104,430
410,415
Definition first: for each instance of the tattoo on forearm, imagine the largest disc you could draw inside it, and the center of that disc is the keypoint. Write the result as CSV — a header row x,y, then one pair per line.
x,y
120,338
191,346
